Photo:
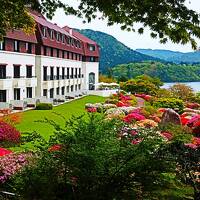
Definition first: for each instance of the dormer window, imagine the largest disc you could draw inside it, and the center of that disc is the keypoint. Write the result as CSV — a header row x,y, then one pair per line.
x,y
52,34
92,47
58,36
63,38
72,42
68,40
44,32
78,44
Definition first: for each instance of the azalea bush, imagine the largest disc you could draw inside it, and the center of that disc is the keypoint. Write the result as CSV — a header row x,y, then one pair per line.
x,y
94,158
9,135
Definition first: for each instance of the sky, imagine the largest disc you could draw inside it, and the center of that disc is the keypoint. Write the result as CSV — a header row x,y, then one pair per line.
x,y
130,39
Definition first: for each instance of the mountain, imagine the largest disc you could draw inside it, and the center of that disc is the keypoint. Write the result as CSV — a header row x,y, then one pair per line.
x,y
114,52
172,56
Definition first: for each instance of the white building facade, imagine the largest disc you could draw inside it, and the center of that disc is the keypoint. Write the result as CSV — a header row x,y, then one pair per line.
x,y
53,63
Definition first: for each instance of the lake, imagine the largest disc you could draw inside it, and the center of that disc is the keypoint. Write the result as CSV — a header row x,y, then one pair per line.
x,y
194,85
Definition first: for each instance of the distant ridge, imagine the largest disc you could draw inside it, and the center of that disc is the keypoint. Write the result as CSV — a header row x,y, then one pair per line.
x,y
114,52
172,56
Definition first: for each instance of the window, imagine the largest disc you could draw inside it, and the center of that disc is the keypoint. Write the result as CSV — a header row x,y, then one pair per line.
x,y
28,47
68,40
72,88
44,32
58,36
51,52
76,73
2,71
16,46
29,71
45,50
75,87
58,73
52,34
51,93
72,42
79,72
72,72
52,73
78,44
58,53
92,59
92,47
63,38
16,93
63,54
68,73
63,73
16,71
45,73
3,96
45,92
57,90
79,86
67,89
2,45
63,91
29,92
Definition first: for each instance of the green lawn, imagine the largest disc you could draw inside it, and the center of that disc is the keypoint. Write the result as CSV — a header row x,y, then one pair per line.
x,y
75,107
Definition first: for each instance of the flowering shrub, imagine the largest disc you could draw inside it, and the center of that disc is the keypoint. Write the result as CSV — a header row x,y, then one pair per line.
x,y
167,135
8,134
91,110
56,147
192,105
147,123
133,117
123,104
194,144
12,119
4,152
11,164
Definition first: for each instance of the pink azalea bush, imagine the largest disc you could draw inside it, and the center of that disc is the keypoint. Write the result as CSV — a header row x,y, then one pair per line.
x,y
11,164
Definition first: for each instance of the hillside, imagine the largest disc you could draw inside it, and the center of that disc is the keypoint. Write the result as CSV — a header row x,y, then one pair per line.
x,y
172,56
165,72
112,51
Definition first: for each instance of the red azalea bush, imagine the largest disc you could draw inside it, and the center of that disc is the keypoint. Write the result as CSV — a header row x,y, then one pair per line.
x,y
133,117
56,147
9,134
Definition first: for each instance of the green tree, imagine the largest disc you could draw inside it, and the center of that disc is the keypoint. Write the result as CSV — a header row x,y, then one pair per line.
x,y
168,20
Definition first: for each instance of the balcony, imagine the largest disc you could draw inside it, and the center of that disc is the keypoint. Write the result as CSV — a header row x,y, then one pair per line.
x,y
5,83
23,81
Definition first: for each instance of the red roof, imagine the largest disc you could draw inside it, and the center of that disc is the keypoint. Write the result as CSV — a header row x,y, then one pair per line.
x,y
50,25
79,36
20,35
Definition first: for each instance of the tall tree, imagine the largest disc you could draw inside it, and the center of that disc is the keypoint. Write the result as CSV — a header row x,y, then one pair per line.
x,y
167,19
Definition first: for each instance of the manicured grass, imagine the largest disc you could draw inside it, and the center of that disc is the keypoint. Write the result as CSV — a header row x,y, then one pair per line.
x,y
75,108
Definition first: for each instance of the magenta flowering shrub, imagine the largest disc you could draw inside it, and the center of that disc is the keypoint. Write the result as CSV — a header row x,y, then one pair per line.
x,y
11,164
8,134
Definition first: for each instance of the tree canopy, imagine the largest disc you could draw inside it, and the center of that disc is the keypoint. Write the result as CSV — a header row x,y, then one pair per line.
x,y
167,19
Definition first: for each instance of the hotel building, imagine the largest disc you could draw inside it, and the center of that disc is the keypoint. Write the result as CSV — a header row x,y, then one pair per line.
x,y
52,63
